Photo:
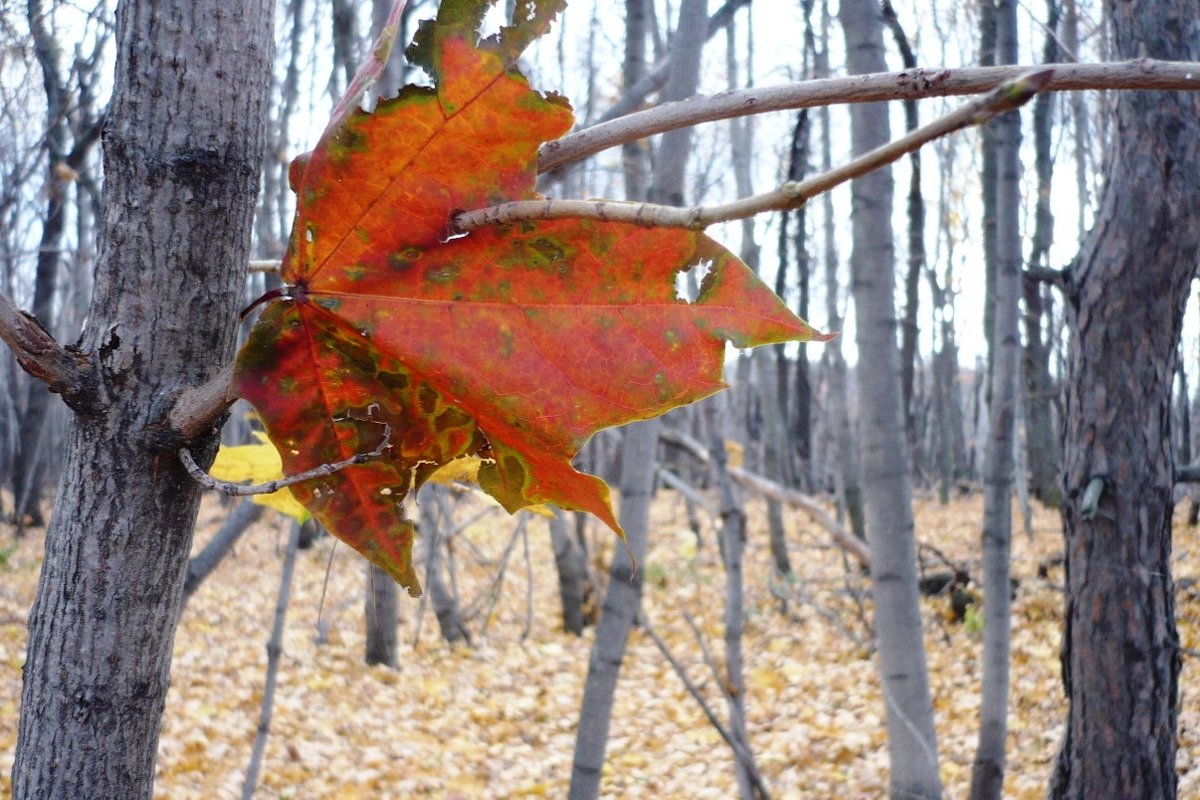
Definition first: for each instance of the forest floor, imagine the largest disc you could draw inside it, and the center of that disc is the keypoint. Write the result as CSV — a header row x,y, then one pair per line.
x,y
497,719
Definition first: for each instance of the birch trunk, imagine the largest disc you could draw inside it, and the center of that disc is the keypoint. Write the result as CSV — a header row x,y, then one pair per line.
x,y
640,456
912,742
987,777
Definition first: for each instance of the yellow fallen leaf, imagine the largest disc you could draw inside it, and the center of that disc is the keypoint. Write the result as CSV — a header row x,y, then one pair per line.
x,y
258,463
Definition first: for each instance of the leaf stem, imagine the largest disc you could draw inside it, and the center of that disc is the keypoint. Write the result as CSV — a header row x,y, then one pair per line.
x,y
242,490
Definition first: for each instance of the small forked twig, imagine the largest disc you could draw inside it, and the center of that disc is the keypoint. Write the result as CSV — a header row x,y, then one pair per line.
x,y
740,750
242,490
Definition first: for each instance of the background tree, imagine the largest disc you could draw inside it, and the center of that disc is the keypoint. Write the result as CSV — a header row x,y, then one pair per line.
x,y
112,344
987,778
887,493
639,460
72,128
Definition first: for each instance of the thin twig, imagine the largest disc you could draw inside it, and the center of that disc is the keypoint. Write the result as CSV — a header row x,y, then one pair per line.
x,y
242,490
739,750
772,490
491,595
790,195
322,636
693,494
705,653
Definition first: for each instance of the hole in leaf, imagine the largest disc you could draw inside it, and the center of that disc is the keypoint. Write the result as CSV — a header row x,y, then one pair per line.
x,y
689,282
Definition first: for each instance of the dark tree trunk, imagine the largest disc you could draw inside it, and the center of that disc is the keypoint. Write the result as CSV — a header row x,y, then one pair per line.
x,y
446,608
183,149
381,611
796,461
28,466
915,207
847,476
987,180
635,163
1126,294
245,514
573,586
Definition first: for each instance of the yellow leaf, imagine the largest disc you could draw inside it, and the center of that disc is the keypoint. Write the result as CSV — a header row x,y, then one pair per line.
x,y
466,470
734,453
257,463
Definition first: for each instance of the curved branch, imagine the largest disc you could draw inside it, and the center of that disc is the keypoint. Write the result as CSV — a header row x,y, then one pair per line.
x,y
242,490
790,195
908,84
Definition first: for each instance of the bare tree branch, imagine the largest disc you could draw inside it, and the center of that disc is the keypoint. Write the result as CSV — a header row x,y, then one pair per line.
x,y
739,748
768,488
197,408
790,195
64,372
908,84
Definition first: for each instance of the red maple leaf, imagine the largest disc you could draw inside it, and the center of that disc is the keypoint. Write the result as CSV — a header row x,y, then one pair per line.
x,y
512,343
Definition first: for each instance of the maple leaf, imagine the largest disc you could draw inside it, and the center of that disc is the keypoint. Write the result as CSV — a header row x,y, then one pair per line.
x,y
514,344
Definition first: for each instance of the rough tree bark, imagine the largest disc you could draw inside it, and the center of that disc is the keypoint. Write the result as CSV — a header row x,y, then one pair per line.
x,y
987,777
183,148
912,741
1126,295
